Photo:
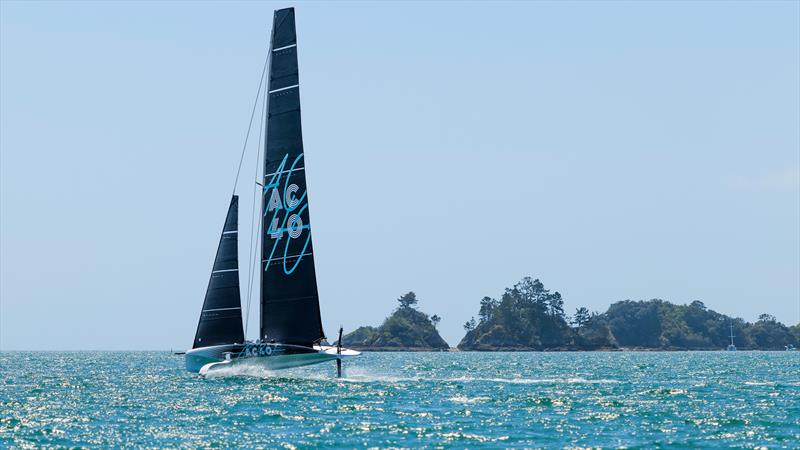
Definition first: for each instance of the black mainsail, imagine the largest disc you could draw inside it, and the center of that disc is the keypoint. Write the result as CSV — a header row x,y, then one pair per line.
x,y
221,318
289,300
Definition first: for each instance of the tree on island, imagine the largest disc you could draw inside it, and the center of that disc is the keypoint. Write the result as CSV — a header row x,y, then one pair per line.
x,y
697,304
408,300
435,319
794,330
555,305
767,318
470,325
488,306
768,333
581,317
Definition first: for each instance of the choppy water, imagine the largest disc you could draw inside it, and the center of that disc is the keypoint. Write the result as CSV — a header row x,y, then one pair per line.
x,y
551,400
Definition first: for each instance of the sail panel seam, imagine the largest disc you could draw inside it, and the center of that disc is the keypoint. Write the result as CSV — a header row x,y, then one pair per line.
x,y
284,88
285,171
221,309
286,257
284,48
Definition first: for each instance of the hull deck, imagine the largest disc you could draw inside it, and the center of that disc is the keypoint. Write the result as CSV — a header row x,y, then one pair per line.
x,y
269,356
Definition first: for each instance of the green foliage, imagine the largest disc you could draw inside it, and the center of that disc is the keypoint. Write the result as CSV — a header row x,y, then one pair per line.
x,y
488,306
766,318
635,323
362,337
530,317
406,328
469,325
581,317
527,317
663,325
795,331
769,334
408,300
594,334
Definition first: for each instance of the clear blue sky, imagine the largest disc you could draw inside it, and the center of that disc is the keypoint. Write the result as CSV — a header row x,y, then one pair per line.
x,y
613,150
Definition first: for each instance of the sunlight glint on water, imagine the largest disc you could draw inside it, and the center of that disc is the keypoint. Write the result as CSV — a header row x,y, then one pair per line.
x,y
711,399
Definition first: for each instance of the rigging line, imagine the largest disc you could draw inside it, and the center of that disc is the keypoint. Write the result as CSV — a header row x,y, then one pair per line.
x,y
256,250
251,256
252,114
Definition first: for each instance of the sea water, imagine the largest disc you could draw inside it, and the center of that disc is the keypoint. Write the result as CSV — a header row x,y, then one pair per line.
x,y
489,400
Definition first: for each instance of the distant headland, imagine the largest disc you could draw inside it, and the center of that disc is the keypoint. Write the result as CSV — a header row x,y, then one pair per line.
x,y
528,317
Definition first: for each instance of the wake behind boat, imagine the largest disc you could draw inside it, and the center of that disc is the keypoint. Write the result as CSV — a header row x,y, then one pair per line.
x,y
290,331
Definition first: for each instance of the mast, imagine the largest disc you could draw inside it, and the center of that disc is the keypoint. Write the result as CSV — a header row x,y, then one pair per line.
x,y
221,316
289,299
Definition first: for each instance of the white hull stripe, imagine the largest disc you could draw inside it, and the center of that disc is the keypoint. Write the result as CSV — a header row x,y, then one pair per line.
x,y
225,270
221,309
229,232
284,48
284,88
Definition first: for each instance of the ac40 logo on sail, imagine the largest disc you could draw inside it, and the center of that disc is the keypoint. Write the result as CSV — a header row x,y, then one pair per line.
x,y
286,205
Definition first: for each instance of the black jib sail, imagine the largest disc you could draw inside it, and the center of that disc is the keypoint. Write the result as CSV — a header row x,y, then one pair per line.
x,y
289,299
221,319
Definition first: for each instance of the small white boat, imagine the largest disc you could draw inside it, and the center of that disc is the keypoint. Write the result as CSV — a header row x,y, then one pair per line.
x,y
731,347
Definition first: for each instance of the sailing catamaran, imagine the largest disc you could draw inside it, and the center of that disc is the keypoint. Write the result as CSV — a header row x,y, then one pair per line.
x,y
290,332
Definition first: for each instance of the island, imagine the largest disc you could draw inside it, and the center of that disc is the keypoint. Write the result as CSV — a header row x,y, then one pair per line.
x,y
528,317
406,329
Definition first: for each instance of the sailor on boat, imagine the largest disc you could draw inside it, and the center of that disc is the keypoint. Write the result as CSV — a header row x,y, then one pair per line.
x,y
290,329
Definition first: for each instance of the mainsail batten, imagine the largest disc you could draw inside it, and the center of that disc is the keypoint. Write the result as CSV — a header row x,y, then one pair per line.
x,y
221,317
289,298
